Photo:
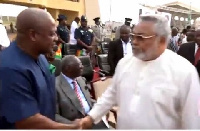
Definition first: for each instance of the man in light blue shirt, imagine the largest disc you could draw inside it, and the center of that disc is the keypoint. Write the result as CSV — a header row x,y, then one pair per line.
x,y
86,106
73,97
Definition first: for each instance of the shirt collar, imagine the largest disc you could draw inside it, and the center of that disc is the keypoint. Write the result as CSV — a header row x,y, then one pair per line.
x,y
67,78
125,42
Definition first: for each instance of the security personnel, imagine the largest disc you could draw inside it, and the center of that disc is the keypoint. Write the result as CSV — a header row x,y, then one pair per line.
x,y
63,32
98,33
127,23
84,37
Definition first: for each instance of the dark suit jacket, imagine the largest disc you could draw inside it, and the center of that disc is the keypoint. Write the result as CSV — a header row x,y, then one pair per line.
x,y
68,107
115,53
187,51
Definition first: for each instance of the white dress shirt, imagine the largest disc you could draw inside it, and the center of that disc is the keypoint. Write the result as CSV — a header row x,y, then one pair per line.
x,y
127,48
74,26
4,40
160,94
196,48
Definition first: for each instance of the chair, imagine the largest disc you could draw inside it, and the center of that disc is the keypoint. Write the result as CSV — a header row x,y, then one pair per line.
x,y
108,40
57,64
103,64
104,47
87,69
70,49
99,88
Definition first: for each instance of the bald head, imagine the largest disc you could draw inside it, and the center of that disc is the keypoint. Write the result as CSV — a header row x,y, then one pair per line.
x,y
36,31
32,18
71,66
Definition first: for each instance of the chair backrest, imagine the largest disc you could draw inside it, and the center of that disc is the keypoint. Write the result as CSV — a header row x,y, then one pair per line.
x,y
70,49
104,47
103,62
100,87
87,69
108,40
57,64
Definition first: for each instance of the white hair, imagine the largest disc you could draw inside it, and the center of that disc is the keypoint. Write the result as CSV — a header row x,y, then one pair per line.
x,y
161,25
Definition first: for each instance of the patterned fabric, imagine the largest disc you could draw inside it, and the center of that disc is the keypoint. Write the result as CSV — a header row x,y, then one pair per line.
x,y
77,93
58,52
172,45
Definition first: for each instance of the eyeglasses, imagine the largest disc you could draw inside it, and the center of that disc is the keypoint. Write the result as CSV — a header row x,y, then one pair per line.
x,y
140,37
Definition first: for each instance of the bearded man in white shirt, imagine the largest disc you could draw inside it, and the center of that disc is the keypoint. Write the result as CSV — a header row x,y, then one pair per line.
x,y
154,88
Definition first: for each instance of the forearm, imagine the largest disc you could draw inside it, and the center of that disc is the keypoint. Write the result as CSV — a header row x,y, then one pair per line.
x,y
39,121
62,119
103,105
60,40
82,43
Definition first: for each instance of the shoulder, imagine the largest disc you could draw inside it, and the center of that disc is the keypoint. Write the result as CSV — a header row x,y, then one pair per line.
x,y
115,42
126,59
81,79
178,63
187,45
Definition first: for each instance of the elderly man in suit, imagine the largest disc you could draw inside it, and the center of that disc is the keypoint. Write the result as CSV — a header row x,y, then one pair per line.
x,y
73,97
119,48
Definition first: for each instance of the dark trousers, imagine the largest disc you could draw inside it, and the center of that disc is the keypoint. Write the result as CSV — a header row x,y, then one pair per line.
x,y
99,126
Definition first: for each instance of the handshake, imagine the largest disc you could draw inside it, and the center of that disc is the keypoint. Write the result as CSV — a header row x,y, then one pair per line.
x,y
84,123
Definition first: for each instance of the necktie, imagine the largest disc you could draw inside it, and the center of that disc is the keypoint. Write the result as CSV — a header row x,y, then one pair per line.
x,y
197,56
77,93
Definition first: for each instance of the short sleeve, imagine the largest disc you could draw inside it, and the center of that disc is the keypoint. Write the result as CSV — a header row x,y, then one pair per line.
x,y
77,34
92,35
58,31
17,99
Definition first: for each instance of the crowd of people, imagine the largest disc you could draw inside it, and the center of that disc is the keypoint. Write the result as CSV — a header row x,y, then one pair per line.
x,y
155,83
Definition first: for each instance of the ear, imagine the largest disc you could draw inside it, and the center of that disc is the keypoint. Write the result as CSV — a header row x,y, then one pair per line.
x,y
32,35
163,40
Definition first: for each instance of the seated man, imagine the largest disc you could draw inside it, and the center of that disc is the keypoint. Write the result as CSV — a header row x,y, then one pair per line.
x,y
73,98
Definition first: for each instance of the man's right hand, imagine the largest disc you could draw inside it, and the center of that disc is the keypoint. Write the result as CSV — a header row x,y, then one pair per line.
x,y
86,123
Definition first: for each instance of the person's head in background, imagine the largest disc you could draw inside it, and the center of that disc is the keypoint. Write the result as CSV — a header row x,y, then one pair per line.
x,y
174,31
188,27
97,21
184,32
83,21
125,33
191,36
62,20
77,19
71,66
51,56
128,21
